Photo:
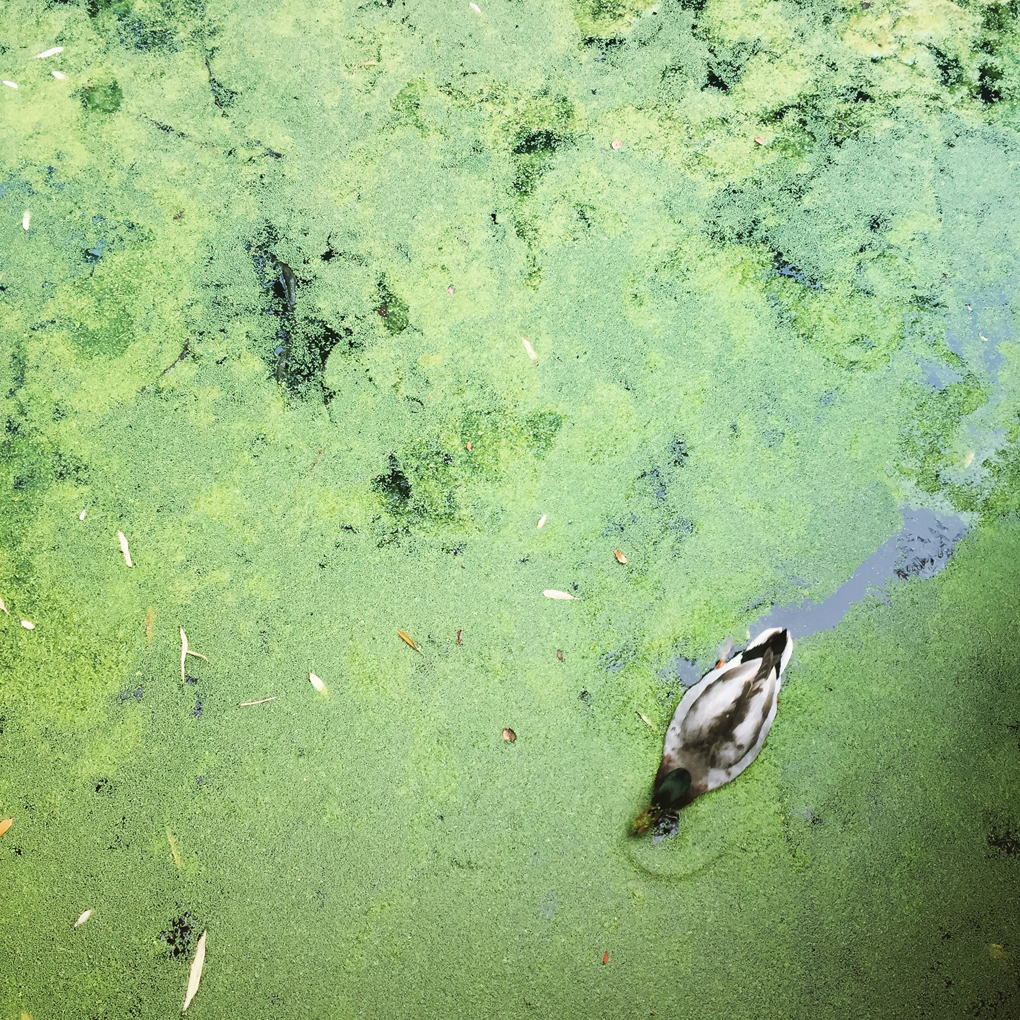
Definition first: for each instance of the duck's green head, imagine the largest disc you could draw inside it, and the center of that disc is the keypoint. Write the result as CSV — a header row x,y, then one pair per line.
x,y
672,790
667,798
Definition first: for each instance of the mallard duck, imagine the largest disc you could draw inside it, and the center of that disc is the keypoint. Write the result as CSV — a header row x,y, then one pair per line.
x,y
719,726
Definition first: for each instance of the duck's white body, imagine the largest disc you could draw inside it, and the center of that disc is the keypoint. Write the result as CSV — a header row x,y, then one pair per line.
x,y
722,721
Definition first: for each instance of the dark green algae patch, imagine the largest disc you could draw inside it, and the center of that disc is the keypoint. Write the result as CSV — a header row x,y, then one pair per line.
x,y
228,332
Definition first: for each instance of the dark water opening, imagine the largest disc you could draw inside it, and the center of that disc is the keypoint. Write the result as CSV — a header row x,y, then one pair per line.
x,y
921,548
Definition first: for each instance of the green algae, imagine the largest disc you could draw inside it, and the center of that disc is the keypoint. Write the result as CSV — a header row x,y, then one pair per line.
x,y
728,334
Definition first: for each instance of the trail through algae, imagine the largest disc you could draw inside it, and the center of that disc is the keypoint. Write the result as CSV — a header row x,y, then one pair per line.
x,y
265,272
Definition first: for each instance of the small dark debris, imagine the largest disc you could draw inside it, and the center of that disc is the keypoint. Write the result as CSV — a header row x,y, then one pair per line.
x,y
178,215
542,140
585,697
196,712
677,449
104,786
127,695
191,680
222,96
394,486
285,286
559,654
1014,728
715,82
1005,838
179,935
988,91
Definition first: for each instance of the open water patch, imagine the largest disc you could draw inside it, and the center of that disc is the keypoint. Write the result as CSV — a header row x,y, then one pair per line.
x,y
921,548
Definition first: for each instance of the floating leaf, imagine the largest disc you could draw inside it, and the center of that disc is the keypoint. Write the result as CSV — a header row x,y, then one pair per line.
x,y
408,639
620,558
5,825
124,548
552,593
86,914
316,683
196,972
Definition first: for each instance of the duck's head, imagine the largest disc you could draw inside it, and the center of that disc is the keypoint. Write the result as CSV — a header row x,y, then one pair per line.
x,y
668,797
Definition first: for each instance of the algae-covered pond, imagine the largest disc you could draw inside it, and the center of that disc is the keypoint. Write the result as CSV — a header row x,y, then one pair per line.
x,y
323,307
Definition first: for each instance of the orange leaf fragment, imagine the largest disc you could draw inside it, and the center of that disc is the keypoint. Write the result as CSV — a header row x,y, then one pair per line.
x,y
620,558
410,641
5,825
605,958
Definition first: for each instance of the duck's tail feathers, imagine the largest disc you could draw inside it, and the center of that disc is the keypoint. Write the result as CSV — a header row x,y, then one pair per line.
x,y
776,640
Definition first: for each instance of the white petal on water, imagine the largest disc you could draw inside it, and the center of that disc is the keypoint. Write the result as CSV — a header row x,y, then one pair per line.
x,y
316,683
81,516
26,219
542,520
475,7
86,914
4,608
552,593
28,624
196,972
529,349
124,547
59,75
52,52
10,84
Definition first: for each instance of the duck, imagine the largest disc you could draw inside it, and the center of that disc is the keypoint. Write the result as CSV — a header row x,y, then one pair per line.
x,y
719,726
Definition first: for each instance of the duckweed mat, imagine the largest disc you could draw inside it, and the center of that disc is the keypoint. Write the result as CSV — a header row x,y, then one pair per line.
x,y
324,308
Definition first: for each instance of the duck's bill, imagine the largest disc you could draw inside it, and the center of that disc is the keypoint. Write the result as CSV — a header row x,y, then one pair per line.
x,y
649,817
